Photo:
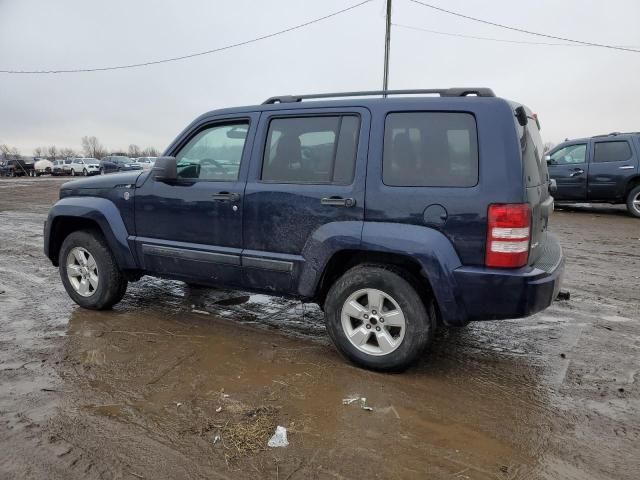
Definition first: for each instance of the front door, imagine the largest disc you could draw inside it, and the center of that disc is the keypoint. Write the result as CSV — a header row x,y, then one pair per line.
x,y
192,228
306,185
568,166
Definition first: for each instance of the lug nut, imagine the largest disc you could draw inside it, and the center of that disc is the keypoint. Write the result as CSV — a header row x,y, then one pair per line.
x,y
368,326
381,320
373,312
377,329
365,316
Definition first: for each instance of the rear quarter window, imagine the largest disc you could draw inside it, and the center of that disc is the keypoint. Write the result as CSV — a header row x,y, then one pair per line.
x,y
430,149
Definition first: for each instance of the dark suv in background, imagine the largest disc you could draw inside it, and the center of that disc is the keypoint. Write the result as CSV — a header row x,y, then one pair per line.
x,y
604,168
118,163
16,168
393,214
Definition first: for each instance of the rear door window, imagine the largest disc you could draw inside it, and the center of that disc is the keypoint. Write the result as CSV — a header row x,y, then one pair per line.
x,y
430,149
619,151
314,150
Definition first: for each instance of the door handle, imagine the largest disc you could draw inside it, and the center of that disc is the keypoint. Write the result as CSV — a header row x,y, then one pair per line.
x,y
226,196
577,171
338,201
627,167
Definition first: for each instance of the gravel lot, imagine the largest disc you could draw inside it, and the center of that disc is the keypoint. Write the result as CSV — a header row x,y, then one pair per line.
x,y
144,390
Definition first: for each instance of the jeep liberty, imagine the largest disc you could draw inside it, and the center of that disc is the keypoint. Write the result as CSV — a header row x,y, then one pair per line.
x,y
394,214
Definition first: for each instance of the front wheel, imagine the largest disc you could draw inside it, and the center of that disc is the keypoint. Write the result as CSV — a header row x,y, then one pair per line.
x,y
633,201
89,271
84,172
377,319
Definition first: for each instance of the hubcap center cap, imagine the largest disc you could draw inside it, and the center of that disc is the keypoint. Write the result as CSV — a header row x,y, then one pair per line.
x,y
374,321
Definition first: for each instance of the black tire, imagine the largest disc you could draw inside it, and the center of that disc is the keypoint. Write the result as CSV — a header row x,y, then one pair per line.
x,y
84,172
419,315
112,284
634,194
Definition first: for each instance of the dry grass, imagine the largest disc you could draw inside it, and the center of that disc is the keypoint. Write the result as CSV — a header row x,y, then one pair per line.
x,y
250,434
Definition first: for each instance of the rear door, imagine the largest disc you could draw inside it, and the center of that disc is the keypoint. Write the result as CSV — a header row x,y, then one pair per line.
x,y
568,167
612,162
306,184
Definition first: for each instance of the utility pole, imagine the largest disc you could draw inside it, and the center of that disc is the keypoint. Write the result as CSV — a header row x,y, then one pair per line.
x,y
387,47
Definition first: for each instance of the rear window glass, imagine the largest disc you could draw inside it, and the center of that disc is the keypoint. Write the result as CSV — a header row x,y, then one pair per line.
x,y
612,151
430,149
532,147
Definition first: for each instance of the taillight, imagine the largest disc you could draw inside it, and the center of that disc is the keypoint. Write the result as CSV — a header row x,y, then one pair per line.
x,y
508,235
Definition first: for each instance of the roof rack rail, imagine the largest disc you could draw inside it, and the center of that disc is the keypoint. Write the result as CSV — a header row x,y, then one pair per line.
x,y
614,134
443,92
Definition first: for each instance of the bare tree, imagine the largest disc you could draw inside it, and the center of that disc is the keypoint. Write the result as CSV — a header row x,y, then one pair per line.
x,y
134,151
548,146
40,152
52,152
151,152
9,153
92,147
67,152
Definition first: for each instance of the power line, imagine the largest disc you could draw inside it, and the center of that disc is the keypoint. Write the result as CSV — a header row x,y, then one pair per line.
x,y
450,34
492,39
191,55
521,30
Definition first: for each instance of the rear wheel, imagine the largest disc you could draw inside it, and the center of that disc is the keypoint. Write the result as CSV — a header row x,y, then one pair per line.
x,y
633,201
73,172
89,272
377,319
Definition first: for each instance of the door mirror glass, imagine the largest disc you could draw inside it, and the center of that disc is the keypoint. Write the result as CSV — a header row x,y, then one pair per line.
x,y
547,158
165,169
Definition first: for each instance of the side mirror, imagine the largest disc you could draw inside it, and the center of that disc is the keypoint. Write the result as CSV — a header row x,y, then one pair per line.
x,y
553,186
165,169
547,158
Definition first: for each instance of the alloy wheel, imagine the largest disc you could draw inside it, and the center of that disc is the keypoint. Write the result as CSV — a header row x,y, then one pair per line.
x,y
373,322
82,271
635,203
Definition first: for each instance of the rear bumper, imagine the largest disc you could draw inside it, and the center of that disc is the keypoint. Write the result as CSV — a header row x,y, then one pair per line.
x,y
494,294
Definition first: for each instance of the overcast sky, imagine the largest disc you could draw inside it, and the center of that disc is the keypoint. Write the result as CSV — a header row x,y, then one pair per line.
x,y
577,91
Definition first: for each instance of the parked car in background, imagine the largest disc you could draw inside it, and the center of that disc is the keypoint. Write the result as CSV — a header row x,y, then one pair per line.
x,y
58,168
66,166
16,168
604,168
43,167
85,166
146,162
118,163
393,214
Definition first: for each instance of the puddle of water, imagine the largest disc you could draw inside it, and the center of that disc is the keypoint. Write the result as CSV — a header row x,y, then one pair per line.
x,y
174,371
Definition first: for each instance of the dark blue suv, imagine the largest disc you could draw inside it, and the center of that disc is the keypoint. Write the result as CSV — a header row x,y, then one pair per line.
x,y
393,214
604,168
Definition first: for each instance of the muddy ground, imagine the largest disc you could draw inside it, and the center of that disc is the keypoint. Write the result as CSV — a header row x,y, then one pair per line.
x,y
144,390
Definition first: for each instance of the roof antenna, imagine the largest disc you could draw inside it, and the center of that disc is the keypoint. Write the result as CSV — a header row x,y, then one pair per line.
x,y
387,48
